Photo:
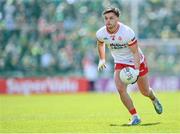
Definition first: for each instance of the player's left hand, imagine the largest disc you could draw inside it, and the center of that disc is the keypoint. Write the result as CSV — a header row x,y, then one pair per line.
x,y
136,71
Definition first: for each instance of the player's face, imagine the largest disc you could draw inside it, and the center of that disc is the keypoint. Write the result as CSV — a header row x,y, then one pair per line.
x,y
111,20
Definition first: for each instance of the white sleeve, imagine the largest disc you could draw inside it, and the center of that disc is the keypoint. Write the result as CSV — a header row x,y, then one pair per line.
x,y
99,36
131,37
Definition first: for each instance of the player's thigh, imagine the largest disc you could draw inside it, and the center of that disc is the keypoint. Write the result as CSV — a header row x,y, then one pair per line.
x,y
121,87
143,84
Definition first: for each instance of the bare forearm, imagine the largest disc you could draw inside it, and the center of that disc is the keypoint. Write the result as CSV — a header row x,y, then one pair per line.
x,y
136,55
101,50
136,60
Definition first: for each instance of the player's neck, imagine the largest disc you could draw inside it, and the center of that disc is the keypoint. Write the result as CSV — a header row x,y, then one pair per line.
x,y
113,30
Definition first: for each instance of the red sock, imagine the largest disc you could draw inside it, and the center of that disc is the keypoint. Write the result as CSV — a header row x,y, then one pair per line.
x,y
133,111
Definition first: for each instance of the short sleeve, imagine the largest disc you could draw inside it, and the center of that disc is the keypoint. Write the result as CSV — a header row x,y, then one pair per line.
x,y
99,36
131,37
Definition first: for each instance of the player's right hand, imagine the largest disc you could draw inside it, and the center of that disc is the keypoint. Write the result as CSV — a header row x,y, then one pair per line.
x,y
101,64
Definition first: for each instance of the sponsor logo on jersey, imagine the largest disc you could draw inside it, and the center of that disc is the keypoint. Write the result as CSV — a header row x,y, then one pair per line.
x,y
105,38
117,46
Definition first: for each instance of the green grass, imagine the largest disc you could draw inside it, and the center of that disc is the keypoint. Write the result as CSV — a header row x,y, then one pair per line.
x,y
86,113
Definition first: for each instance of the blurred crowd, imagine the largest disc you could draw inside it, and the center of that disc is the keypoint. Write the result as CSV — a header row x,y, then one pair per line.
x,y
57,37
162,58
159,19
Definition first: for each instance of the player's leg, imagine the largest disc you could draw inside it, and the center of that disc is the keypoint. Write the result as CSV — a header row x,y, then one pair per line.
x,y
125,98
143,85
145,89
121,87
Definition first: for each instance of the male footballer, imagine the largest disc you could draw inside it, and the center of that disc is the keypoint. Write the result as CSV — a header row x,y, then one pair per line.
x,y
122,42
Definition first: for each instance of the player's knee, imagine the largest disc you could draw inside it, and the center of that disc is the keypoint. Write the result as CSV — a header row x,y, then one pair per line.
x,y
145,93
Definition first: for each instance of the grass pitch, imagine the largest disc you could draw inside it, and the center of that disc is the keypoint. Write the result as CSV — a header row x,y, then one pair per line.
x,y
86,113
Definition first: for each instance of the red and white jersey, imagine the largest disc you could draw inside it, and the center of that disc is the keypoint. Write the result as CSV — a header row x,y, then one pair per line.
x,y
118,43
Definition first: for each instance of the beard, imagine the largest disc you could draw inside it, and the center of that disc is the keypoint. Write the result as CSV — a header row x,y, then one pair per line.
x,y
110,26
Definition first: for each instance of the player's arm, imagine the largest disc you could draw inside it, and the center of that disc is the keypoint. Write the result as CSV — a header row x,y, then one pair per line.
x,y
133,46
136,55
101,52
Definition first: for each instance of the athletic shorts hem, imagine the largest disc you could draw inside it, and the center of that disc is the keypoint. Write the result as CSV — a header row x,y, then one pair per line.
x,y
143,67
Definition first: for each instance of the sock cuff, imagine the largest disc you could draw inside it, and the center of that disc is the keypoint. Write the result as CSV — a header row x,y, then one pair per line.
x,y
133,111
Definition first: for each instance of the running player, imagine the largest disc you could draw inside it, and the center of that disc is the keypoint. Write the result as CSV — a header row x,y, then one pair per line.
x,y
122,42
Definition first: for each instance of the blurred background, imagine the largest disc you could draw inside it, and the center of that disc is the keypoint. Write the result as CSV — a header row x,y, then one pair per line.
x,y
55,40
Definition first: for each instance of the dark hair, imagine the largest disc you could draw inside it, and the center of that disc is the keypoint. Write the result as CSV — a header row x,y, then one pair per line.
x,y
114,10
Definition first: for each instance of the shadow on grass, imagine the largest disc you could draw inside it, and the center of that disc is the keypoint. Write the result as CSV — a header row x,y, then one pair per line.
x,y
142,124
